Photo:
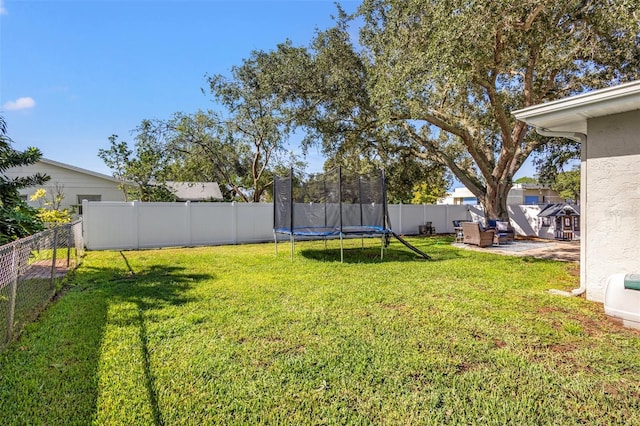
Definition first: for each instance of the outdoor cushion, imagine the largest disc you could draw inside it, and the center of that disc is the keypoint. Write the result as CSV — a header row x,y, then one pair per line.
x,y
632,282
502,226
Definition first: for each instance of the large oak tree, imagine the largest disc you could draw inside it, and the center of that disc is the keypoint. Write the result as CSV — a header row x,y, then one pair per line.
x,y
440,78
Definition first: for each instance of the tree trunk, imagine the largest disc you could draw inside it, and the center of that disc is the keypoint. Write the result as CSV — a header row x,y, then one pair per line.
x,y
494,202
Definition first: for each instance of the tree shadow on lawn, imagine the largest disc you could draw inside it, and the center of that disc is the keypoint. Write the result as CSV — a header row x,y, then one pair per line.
x,y
438,248
373,255
51,374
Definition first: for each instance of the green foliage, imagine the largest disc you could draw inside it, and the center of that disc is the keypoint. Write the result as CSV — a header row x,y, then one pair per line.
x,y
205,147
455,93
49,211
440,79
425,194
234,335
239,151
568,184
17,220
256,120
54,216
551,159
526,179
146,167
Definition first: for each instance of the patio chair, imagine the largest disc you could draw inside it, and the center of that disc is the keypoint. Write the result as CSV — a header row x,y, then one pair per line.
x,y
504,232
473,234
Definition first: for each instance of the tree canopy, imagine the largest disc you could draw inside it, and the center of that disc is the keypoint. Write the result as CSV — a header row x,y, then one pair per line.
x,y
568,184
450,72
439,79
145,166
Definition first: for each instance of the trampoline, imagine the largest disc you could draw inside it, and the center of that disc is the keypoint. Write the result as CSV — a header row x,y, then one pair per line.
x,y
337,203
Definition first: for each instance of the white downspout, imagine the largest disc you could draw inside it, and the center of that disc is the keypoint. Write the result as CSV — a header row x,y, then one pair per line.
x,y
582,138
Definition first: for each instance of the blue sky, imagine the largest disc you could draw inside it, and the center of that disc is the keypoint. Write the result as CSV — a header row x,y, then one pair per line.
x,y
72,73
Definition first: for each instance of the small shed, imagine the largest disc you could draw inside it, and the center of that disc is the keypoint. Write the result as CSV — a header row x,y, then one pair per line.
x,y
565,218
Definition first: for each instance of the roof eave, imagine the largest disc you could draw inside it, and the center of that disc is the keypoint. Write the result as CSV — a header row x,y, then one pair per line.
x,y
571,114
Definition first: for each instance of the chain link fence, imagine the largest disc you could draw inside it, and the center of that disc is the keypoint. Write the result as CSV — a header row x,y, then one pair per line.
x,y
31,272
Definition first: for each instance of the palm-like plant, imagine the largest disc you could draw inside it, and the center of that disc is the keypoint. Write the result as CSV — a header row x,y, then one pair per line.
x,y
17,219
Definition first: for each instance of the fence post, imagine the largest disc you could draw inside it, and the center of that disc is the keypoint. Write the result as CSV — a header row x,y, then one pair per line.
x,y
69,233
86,220
136,223
187,238
12,292
53,262
234,223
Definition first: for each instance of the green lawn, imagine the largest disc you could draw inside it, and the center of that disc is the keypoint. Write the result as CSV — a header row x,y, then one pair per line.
x,y
235,335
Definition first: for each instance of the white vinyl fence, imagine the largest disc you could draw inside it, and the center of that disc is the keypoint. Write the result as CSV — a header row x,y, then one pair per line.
x,y
134,225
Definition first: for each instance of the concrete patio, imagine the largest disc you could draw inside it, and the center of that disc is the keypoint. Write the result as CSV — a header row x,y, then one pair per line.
x,y
565,251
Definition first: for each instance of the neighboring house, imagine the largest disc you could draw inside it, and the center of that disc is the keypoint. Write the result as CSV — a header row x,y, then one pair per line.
x,y
460,196
75,183
195,191
607,123
531,193
520,193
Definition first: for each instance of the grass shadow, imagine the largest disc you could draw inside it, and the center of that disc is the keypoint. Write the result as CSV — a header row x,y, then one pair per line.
x,y
67,342
361,255
438,248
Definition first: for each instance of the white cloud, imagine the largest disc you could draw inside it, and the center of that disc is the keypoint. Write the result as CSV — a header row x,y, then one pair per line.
x,y
3,11
20,103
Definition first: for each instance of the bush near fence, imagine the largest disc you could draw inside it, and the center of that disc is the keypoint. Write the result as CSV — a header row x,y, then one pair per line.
x,y
31,270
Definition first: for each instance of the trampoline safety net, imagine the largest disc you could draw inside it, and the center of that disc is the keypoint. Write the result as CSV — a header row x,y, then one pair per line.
x,y
332,203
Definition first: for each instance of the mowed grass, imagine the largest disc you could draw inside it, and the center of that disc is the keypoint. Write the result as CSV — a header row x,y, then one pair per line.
x,y
236,335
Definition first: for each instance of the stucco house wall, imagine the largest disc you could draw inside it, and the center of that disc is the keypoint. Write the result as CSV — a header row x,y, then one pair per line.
x,y
73,182
611,172
607,123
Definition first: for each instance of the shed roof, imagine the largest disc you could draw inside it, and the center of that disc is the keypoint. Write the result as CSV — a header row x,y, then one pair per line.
x,y
195,191
560,209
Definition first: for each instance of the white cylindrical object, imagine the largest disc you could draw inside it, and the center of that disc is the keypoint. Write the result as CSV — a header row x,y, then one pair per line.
x,y
622,303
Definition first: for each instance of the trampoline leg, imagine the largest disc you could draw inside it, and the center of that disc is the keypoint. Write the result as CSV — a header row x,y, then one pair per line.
x,y
293,244
341,250
382,247
275,239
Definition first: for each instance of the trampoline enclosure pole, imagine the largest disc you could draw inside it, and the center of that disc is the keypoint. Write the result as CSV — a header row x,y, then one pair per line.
x,y
386,226
340,197
291,211
275,240
275,212
360,198
340,210
291,200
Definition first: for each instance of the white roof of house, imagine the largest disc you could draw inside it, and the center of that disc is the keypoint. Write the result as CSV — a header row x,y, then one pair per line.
x,y
195,191
79,170
462,192
571,114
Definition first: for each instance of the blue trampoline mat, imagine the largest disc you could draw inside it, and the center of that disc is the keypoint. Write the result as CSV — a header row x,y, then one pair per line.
x,y
325,231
